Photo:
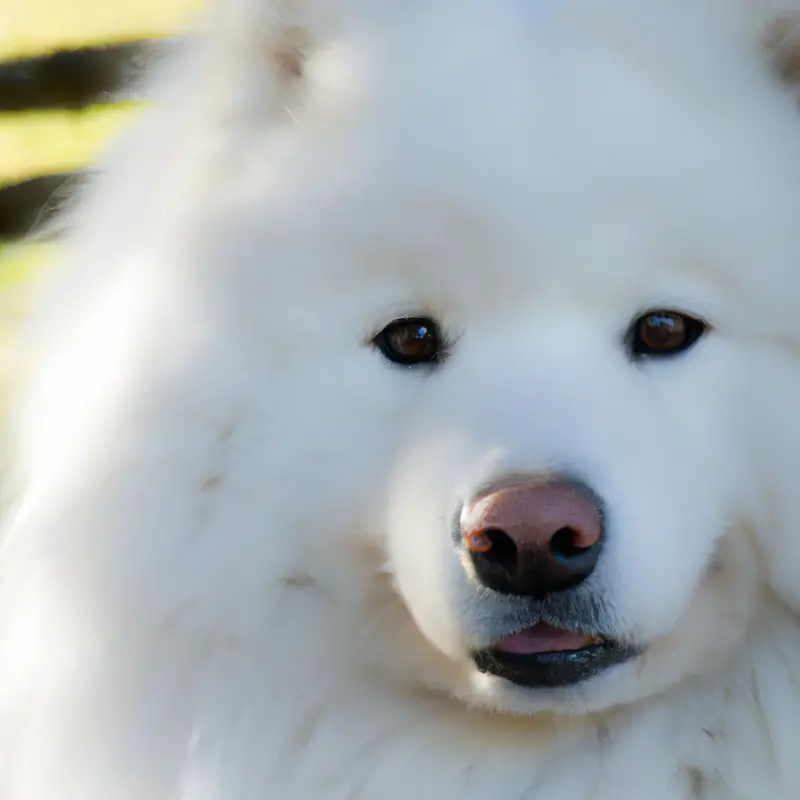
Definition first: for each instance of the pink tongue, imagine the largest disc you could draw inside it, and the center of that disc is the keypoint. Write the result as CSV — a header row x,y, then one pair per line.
x,y
543,638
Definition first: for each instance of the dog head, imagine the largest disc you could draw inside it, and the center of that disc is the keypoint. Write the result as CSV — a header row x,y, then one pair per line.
x,y
504,297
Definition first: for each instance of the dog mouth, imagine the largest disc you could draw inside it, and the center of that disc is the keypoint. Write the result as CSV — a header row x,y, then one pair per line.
x,y
543,656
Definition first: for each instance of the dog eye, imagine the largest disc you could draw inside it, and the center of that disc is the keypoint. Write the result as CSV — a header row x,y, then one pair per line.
x,y
660,333
411,341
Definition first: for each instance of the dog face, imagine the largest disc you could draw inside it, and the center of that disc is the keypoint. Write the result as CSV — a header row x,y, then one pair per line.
x,y
507,317
526,284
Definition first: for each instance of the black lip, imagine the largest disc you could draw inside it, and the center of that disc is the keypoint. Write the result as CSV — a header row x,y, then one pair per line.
x,y
552,670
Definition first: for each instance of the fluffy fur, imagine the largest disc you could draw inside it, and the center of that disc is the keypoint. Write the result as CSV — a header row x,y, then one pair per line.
x,y
228,571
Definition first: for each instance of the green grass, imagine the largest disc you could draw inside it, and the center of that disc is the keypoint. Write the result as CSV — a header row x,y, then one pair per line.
x,y
18,263
42,142
29,27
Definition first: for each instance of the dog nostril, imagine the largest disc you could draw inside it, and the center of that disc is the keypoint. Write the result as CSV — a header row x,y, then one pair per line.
x,y
500,549
564,544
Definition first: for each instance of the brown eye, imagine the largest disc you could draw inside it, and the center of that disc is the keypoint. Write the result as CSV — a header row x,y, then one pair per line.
x,y
412,341
664,333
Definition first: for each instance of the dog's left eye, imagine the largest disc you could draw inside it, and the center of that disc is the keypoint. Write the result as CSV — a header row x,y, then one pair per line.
x,y
663,332
411,341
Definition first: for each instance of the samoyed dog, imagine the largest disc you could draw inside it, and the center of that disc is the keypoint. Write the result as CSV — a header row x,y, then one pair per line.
x,y
415,415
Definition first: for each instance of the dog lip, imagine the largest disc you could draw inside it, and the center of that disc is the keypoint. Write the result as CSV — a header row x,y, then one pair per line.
x,y
542,657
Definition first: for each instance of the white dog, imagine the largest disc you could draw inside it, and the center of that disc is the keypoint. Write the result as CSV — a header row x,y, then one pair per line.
x,y
417,417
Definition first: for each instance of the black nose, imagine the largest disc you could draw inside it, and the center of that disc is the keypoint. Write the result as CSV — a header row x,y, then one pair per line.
x,y
534,538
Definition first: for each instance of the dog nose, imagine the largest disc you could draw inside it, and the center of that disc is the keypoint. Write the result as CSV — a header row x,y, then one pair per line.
x,y
534,538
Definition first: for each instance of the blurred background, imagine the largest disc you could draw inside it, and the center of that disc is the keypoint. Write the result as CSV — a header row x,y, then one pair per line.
x,y
69,80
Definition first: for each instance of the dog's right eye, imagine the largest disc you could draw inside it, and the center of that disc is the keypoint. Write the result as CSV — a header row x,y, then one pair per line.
x,y
664,332
411,341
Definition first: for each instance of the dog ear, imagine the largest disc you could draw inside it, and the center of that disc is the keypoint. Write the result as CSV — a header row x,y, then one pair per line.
x,y
260,57
782,41
281,34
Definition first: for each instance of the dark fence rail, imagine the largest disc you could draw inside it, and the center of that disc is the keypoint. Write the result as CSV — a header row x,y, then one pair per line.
x,y
63,81
70,79
34,203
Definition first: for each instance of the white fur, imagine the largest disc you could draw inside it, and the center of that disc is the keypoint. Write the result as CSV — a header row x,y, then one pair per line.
x,y
227,571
